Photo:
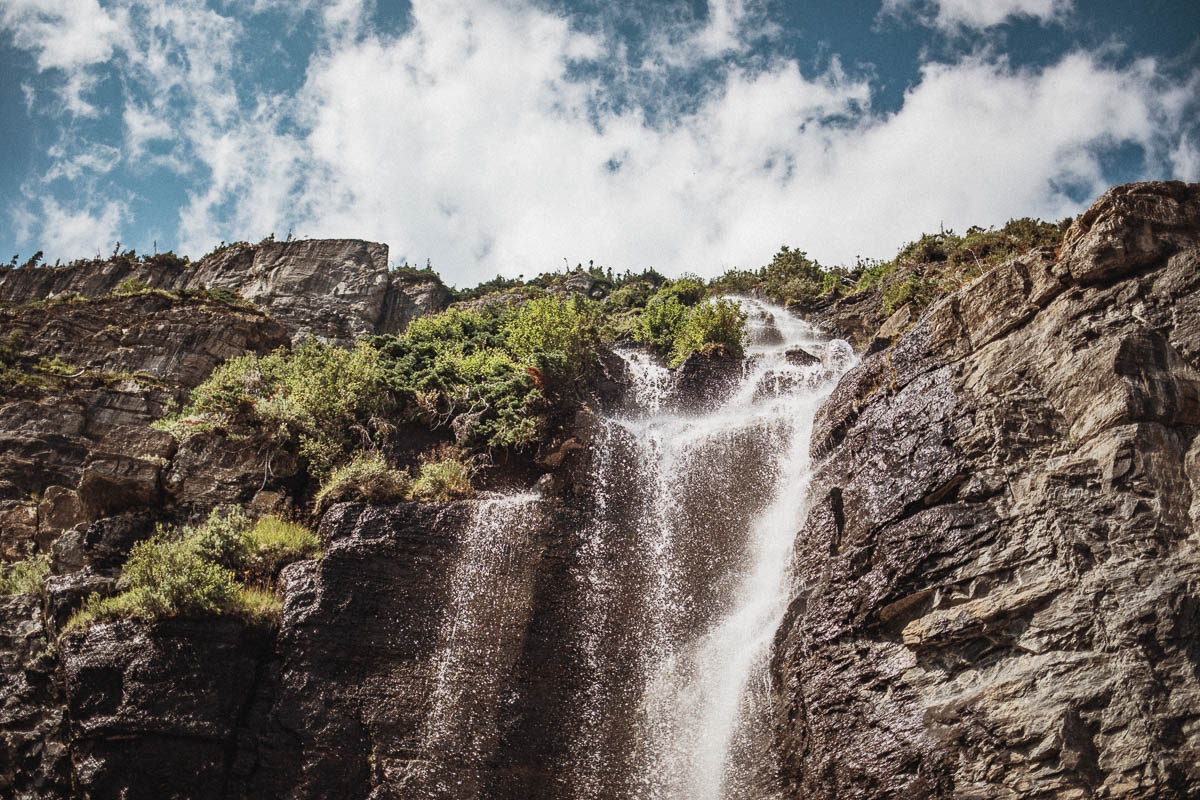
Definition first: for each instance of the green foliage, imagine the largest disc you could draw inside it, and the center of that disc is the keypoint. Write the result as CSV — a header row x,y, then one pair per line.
x,y
874,274
447,479
557,336
911,290
630,296
164,577
689,290
320,397
792,276
272,544
199,571
456,364
735,281
716,323
25,576
366,478
131,286
659,324
167,260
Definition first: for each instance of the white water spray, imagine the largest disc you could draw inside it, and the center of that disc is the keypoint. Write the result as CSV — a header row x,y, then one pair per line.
x,y
697,514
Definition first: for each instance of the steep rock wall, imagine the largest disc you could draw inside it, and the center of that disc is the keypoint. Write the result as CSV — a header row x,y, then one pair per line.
x,y
998,591
336,289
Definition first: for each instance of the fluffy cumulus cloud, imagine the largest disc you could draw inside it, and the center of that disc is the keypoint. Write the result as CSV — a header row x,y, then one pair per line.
x,y
957,15
479,137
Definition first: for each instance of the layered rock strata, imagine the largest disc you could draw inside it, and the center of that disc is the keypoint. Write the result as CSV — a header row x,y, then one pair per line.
x,y
335,289
997,587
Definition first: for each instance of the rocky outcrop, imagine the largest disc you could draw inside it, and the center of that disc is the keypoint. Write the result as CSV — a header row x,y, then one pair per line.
x,y
335,702
166,710
996,591
81,421
997,586
34,764
335,289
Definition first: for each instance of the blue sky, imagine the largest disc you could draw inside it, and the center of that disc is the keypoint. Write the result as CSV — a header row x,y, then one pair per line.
x,y
504,136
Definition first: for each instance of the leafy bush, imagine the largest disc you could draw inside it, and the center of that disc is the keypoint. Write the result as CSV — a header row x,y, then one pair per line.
x,y
689,289
910,290
554,335
630,296
323,398
253,550
874,274
168,260
792,276
659,324
195,571
25,576
131,286
447,479
164,577
455,365
367,478
717,323
272,544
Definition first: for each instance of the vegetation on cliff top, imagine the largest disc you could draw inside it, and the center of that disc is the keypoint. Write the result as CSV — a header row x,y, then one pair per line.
x,y
494,368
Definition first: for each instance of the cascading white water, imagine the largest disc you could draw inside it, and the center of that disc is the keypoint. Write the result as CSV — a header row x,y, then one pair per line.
x,y
480,632
686,568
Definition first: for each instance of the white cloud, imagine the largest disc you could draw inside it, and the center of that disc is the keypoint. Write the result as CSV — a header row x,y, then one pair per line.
x,y
75,232
464,141
73,163
956,15
470,140
66,34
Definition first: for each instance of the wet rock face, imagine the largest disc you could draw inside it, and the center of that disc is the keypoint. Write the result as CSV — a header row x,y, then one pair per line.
x,y
33,744
997,588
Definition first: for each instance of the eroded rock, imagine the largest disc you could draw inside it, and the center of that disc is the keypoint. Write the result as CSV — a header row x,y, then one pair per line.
x,y
996,590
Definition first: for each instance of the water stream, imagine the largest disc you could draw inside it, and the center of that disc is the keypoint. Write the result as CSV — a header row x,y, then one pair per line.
x,y
686,565
680,580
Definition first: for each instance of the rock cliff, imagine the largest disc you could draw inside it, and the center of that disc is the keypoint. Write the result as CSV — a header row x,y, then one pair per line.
x,y
997,587
336,289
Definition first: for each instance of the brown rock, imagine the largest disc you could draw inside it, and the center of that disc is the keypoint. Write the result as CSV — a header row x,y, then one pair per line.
x,y
1001,605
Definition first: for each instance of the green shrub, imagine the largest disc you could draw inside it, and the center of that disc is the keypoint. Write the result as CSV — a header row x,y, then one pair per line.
x,y
911,290
555,335
321,397
689,289
717,323
131,286
195,572
660,322
367,478
25,576
448,479
164,577
874,274
454,365
253,550
258,606
630,296
272,544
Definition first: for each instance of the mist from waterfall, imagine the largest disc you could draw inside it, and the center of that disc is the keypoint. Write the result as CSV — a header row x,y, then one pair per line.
x,y
686,567
675,579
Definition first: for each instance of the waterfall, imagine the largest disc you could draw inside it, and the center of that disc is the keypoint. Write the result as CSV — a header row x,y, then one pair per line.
x,y
478,640
658,607
686,567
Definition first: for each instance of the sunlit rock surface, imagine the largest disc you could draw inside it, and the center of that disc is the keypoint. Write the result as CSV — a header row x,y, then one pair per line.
x,y
996,591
